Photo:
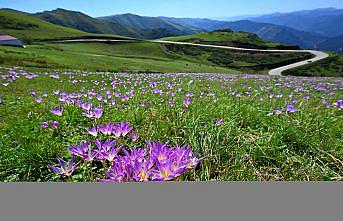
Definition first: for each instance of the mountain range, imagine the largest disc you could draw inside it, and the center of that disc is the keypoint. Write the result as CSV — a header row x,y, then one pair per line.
x,y
327,21
318,29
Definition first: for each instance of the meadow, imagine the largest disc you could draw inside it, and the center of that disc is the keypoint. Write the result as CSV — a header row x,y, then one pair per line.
x,y
114,127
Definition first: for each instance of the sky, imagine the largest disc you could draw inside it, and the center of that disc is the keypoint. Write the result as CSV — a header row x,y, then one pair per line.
x,y
172,8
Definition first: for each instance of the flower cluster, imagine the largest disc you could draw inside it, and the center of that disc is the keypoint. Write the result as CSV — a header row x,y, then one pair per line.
x,y
155,161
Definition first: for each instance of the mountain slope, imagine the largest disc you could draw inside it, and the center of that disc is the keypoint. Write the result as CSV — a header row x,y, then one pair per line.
x,y
83,22
226,37
333,44
149,23
326,22
28,28
270,32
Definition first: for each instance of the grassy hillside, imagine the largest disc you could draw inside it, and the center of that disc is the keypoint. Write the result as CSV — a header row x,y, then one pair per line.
x,y
228,38
331,66
83,22
30,29
128,57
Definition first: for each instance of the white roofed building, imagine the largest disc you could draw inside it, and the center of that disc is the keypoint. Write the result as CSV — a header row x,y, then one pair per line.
x,y
7,40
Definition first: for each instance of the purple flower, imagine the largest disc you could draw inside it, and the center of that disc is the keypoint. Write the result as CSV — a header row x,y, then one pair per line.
x,y
65,168
166,171
106,129
218,122
54,124
134,137
86,106
117,173
194,161
159,151
57,111
187,102
339,104
93,131
44,124
106,150
142,170
121,129
290,108
80,151
171,102
38,100
97,112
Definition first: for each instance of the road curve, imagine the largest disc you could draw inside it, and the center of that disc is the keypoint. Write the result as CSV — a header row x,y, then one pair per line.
x,y
319,55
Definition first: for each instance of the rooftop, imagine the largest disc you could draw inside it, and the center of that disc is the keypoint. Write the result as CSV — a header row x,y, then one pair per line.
x,y
6,38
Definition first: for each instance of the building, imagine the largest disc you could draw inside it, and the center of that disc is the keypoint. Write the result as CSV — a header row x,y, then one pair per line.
x,y
7,40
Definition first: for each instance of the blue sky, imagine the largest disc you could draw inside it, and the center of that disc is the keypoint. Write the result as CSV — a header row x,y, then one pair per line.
x,y
175,8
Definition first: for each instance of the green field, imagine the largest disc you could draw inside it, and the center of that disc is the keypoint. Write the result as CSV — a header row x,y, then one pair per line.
x,y
226,38
143,56
248,144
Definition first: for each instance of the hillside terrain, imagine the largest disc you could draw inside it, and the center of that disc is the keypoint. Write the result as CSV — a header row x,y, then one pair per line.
x,y
30,29
83,22
227,37
329,67
147,24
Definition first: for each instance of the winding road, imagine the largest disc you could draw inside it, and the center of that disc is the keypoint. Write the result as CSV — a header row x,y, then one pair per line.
x,y
319,55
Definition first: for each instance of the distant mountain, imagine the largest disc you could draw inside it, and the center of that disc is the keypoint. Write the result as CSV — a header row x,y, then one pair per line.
x,y
327,21
83,22
270,32
333,44
150,23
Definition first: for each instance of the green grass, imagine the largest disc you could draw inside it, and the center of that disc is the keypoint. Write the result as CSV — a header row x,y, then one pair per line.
x,y
131,57
250,145
226,38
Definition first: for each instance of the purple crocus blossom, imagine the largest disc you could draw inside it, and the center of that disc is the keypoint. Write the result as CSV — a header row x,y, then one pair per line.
x,y
38,100
121,129
44,124
54,124
171,102
218,122
290,108
92,131
167,171
57,111
134,137
97,112
187,102
65,168
339,104
80,151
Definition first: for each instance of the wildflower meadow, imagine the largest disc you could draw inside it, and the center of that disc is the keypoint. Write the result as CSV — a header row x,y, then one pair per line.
x,y
79,126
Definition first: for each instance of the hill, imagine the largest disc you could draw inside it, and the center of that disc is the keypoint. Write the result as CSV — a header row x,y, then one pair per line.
x,y
333,44
226,37
83,22
270,32
147,24
30,29
326,21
